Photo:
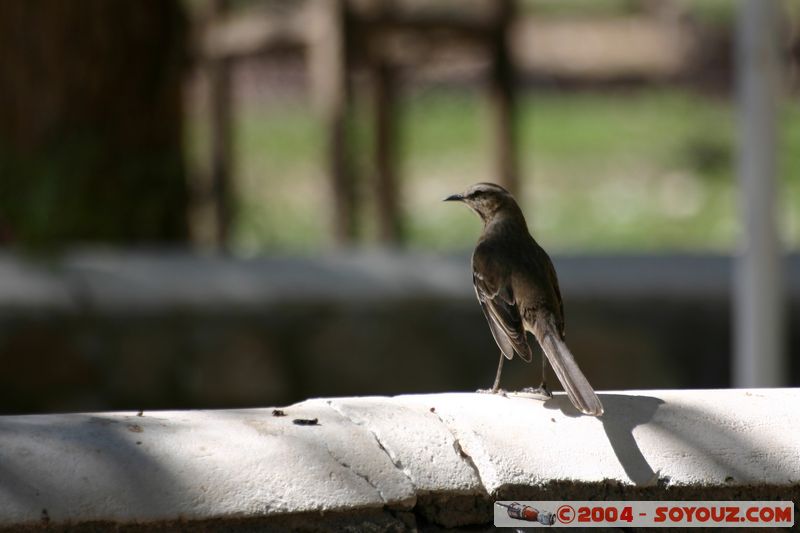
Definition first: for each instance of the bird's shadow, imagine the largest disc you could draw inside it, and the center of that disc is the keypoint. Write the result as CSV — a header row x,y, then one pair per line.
x,y
622,414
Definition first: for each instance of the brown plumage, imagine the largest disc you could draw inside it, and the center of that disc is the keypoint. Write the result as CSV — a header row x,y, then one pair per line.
x,y
517,287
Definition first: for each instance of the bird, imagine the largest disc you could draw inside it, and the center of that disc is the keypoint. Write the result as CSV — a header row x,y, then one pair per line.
x,y
516,284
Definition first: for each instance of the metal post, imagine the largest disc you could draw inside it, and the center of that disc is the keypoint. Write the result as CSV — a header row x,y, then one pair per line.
x,y
330,70
502,99
220,89
385,152
759,359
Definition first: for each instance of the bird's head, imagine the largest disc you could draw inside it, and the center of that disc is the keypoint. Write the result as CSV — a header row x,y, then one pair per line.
x,y
486,199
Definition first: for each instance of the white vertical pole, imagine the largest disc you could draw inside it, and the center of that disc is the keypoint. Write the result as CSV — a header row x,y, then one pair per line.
x,y
758,303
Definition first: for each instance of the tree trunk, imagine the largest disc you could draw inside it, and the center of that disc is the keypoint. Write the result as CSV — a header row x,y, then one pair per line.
x,y
90,122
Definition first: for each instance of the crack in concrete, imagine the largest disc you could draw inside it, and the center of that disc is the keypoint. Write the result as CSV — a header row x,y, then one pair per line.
x,y
392,456
365,477
457,447
466,457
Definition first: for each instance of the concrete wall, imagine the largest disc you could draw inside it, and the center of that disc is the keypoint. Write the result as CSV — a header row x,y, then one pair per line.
x,y
93,331
391,464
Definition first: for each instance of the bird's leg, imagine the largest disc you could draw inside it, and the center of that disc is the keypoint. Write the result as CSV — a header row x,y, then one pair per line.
x,y
541,390
496,387
543,385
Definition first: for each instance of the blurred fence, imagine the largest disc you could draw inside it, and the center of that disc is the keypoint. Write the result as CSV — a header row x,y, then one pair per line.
x,y
335,38
362,51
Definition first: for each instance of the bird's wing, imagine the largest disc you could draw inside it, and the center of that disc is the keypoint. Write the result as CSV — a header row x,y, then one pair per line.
x,y
501,312
551,273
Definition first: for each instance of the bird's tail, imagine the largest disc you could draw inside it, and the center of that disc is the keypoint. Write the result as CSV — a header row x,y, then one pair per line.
x,y
576,385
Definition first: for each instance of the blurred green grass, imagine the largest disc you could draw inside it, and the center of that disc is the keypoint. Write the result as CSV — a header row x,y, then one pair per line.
x,y
627,171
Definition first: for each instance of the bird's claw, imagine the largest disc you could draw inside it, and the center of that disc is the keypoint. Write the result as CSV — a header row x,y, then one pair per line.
x,y
501,392
539,392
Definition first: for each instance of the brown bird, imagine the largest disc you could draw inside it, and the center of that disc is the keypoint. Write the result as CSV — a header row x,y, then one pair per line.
x,y
518,290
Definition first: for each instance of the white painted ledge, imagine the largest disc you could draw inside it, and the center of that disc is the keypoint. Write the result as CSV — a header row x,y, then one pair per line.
x,y
392,462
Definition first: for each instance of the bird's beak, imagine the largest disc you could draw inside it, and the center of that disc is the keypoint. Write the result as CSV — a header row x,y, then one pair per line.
x,y
454,198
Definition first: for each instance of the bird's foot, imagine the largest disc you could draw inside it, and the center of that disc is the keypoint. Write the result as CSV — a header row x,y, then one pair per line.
x,y
539,393
501,392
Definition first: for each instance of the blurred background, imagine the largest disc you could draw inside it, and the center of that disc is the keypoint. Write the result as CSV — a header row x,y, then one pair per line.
x,y
211,203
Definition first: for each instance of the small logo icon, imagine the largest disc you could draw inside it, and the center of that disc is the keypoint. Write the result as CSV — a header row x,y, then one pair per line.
x,y
528,513
566,514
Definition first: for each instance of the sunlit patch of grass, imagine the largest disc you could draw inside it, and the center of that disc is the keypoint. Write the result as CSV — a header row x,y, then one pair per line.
x,y
646,170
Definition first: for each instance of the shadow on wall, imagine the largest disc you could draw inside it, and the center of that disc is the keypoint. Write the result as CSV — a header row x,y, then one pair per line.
x,y
112,462
130,471
679,424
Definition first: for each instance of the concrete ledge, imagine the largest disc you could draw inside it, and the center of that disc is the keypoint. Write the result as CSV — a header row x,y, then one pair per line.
x,y
391,463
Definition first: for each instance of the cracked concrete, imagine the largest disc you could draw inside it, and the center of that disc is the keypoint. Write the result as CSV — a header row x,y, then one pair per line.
x,y
461,453
363,476
392,456
413,436
398,463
